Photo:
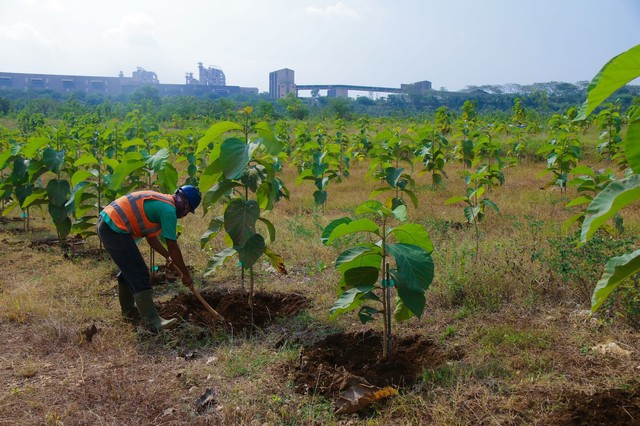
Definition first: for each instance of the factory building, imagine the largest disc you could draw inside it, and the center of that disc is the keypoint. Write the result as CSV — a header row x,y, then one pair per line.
x,y
282,82
211,81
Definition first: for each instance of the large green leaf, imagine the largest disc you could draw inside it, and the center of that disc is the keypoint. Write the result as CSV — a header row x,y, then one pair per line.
x,y
412,196
84,160
367,256
632,142
471,212
608,202
251,251
168,178
215,226
4,157
53,159
214,133
349,300
271,229
456,199
234,157
400,212
36,198
34,144
362,276
209,177
217,260
360,255
19,171
373,206
353,227
58,213
80,176
615,272
331,226
133,142
392,174
85,226
58,191
271,144
22,192
619,71
267,195
240,219
63,228
413,275
320,197
158,160
415,234
131,163
402,313
219,190
36,169
76,194
487,202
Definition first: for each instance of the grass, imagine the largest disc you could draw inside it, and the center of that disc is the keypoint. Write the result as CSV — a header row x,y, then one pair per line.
x,y
511,314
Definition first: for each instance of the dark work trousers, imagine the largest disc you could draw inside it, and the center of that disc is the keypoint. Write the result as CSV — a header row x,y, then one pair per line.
x,y
125,254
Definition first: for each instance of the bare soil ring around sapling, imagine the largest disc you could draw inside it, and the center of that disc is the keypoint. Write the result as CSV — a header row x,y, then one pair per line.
x,y
323,365
235,308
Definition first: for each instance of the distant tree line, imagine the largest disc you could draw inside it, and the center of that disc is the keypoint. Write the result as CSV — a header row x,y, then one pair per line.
x,y
543,98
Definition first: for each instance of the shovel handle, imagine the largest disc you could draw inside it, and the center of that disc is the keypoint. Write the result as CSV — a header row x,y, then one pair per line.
x,y
204,303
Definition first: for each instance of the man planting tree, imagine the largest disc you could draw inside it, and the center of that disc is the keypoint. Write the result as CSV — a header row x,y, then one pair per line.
x,y
145,214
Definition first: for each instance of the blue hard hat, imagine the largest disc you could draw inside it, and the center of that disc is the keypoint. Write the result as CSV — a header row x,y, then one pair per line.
x,y
192,194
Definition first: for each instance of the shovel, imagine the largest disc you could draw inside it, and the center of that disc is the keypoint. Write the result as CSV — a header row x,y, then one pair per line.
x,y
216,316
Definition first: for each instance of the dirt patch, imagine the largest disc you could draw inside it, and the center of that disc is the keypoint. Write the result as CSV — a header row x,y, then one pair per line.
x,y
6,220
164,275
611,407
323,366
73,247
234,307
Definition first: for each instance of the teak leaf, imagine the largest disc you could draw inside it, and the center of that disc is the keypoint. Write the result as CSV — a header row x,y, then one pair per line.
x,y
353,227
413,276
607,203
616,270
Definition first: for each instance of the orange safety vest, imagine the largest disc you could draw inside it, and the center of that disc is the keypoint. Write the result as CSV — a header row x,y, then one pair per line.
x,y
127,213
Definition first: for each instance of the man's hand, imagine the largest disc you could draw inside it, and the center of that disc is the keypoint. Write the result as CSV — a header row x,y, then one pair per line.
x,y
186,278
176,258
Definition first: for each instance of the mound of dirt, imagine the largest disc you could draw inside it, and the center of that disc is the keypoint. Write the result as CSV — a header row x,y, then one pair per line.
x,y
234,307
610,407
324,365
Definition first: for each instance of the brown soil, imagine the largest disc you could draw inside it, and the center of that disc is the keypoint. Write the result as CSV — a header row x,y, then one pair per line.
x,y
165,275
74,247
5,220
324,365
610,407
234,307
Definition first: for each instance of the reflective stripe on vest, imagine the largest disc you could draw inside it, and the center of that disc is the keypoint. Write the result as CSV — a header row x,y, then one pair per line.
x,y
127,213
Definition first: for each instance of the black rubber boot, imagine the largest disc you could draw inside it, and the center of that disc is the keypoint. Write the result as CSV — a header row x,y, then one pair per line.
x,y
127,302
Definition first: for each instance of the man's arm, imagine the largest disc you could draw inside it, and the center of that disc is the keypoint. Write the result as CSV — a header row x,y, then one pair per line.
x,y
155,243
176,257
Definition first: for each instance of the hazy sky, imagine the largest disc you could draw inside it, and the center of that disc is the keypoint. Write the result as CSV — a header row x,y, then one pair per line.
x,y
452,43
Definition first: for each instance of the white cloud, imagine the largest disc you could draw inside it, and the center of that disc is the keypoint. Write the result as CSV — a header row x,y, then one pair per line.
x,y
137,29
338,9
54,5
21,32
